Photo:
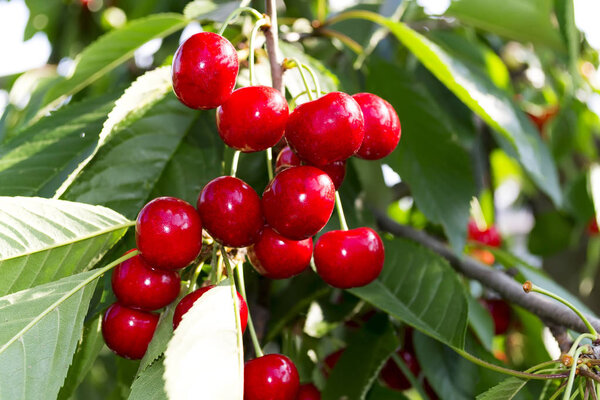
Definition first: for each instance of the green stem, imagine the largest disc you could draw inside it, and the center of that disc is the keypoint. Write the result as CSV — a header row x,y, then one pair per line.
x,y
234,162
578,340
257,25
340,211
269,154
213,265
255,342
557,393
296,97
571,380
347,40
298,65
587,323
99,272
236,13
236,308
314,78
194,279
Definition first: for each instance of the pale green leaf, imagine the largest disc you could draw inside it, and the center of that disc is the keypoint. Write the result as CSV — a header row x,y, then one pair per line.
x,y
505,390
150,385
210,10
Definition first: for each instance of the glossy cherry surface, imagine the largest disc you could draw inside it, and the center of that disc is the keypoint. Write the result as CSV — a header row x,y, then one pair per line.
x,y
253,118
393,376
168,233
204,70
298,202
271,377
277,257
382,127
336,171
230,211
137,285
308,391
188,301
326,130
346,259
489,236
127,332
286,158
501,314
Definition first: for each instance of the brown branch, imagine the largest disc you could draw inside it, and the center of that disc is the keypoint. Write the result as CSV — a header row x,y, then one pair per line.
x,y
588,374
561,336
511,290
272,39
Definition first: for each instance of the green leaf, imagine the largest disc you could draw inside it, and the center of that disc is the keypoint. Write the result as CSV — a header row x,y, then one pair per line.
x,y
40,157
40,331
565,14
435,166
512,128
87,352
42,240
210,10
481,322
505,390
419,287
128,166
369,349
114,48
150,385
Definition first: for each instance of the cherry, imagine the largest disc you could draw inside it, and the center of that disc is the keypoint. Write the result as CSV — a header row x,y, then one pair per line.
x,y
489,236
382,127
128,332
326,130
277,257
137,285
298,202
168,233
393,376
230,211
188,301
346,259
285,159
592,227
271,377
204,70
501,314
253,118
336,171
308,391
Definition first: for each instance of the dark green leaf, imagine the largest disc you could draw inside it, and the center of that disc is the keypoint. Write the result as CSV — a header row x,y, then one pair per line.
x,y
506,390
481,322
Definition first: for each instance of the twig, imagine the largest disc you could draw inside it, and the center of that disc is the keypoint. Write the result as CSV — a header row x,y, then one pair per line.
x,y
588,374
496,280
272,38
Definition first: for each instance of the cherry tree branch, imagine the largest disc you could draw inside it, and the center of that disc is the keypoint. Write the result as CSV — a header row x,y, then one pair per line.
x,y
511,290
272,39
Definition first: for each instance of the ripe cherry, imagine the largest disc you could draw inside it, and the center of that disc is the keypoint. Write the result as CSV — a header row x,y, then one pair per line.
x,y
347,259
489,236
204,70
230,211
336,171
592,227
168,233
326,130
271,377
188,301
253,118
128,332
501,314
285,159
308,391
277,257
382,127
137,285
298,202
393,376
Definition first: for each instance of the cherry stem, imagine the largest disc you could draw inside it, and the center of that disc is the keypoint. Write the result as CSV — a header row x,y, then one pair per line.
x,y
255,342
269,154
213,265
257,25
236,13
293,101
99,272
340,211
293,62
234,162
192,285
571,380
578,340
236,308
531,287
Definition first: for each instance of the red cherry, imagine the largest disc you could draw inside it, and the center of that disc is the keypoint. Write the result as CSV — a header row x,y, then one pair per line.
x,y
308,391
298,202
382,127
347,259
330,362
188,301
253,119
501,314
592,227
489,236
204,71
137,285
271,377
336,171
286,158
128,332
326,130
277,257
393,376
230,211
168,233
